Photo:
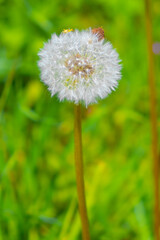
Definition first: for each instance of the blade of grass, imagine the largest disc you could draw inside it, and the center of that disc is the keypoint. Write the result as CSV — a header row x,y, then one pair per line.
x,y
7,88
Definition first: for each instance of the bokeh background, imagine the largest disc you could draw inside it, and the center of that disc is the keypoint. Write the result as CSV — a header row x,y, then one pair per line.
x,y
37,176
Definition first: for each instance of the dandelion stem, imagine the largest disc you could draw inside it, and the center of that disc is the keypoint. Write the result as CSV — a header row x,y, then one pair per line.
x,y
153,116
79,173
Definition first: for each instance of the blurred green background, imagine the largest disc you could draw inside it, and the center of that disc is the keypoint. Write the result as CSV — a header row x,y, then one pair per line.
x,y
37,176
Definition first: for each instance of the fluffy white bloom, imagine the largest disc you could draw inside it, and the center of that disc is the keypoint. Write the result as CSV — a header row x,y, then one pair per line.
x,y
79,67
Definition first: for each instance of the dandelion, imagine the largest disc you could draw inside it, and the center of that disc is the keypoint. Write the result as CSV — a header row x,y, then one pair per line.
x,y
79,66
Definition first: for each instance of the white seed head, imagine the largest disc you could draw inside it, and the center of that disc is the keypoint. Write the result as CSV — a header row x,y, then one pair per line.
x,y
79,66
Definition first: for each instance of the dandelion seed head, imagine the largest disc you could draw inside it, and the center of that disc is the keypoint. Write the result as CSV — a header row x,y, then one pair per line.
x,y
79,66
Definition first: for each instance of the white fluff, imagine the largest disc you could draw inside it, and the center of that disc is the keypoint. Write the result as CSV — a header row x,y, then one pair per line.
x,y
78,67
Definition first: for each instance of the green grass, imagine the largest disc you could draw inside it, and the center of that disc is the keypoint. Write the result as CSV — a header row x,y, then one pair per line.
x,y
37,176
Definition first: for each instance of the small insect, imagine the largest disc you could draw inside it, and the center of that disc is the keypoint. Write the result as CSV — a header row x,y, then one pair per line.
x,y
99,32
67,30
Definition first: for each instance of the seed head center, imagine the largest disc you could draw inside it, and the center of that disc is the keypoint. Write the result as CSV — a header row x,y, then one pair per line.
x,y
79,66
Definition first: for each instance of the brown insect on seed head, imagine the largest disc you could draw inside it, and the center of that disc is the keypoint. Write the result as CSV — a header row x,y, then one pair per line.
x,y
99,32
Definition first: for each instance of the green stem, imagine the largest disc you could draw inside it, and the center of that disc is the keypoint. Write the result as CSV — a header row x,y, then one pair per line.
x,y
79,173
153,116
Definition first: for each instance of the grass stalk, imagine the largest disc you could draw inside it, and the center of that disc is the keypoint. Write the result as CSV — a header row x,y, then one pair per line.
x,y
7,87
153,117
79,173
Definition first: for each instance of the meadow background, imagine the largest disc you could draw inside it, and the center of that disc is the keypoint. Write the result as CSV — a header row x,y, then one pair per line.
x,y
38,197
